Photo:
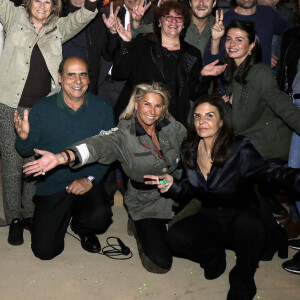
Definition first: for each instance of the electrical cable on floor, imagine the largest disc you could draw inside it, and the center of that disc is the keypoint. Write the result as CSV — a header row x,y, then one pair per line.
x,y
113,251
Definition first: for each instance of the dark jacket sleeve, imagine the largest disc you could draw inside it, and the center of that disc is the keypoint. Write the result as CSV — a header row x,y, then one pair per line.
x,y
209,58
198,85
125,58
254,166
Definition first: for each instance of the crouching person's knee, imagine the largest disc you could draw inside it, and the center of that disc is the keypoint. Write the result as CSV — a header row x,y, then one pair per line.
x,y
45,252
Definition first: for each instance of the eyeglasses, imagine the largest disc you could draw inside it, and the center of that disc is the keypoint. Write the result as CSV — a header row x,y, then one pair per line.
x,y
178,19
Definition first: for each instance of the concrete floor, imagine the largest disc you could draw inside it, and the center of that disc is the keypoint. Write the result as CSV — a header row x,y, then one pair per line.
x,y
76,274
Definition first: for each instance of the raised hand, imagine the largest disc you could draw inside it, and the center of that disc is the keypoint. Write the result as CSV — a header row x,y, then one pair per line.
x,y
218,29
155,180
79,187
212,69
274,60
138,12
110,22
22,127
125,35
225,98
47,162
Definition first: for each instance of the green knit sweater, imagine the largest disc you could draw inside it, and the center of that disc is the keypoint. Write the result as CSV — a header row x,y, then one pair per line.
x,y
54,126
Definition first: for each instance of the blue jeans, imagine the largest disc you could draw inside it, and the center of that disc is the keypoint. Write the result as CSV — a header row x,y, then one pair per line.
x,y
294,162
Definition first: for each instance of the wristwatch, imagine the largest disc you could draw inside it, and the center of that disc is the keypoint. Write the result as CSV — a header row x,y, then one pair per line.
x,y
90,179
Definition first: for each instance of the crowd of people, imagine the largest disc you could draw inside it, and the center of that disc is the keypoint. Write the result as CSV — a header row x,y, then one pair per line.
x,y
194,110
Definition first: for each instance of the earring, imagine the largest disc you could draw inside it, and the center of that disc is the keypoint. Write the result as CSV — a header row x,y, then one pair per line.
x,y
182,26
159,25
250,52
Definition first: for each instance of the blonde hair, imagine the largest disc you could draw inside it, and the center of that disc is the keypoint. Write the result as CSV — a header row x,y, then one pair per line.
x,y
139,92
55,10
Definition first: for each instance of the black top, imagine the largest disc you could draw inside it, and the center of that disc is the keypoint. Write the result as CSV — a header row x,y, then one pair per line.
x,y
38,82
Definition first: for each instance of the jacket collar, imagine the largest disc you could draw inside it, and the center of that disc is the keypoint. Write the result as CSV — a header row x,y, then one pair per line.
x,y
138,130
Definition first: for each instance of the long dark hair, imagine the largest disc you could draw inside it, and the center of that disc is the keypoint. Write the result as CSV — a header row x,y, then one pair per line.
x,y
250,60
224,139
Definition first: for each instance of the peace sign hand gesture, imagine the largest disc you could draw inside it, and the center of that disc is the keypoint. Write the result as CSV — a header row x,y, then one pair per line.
x,y
110,22
124,34
218,29
139,10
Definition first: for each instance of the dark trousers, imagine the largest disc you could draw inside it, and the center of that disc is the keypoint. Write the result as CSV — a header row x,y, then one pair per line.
x,y
204,237
91,213
152,236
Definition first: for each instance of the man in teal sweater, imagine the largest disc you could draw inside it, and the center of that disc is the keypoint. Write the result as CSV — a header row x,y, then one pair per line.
x,y
55,123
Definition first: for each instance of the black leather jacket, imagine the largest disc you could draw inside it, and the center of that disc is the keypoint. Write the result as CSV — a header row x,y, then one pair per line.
x,y
141,60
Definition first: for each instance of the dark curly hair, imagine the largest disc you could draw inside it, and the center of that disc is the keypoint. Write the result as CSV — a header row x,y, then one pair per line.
x,y
250,60
55,11
165,9
222,145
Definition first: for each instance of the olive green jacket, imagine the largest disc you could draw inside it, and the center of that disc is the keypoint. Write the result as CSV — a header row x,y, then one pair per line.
x,y
20,39
133,148
263,113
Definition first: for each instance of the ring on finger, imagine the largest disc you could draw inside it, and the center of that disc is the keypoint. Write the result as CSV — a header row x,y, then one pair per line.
x,y
43,172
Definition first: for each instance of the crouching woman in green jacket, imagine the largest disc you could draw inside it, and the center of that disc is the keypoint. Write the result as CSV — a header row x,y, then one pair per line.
x,y
146,141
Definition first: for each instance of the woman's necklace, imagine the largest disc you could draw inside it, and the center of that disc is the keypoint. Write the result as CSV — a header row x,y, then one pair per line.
x,y
174,47
203,152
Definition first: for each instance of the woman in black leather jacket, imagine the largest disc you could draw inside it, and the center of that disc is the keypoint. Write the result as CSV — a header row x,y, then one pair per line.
x,y
162,57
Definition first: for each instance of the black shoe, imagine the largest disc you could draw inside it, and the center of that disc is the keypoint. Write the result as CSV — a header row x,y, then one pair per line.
x,y
27,223
277,241
214,273
15,236
89,243
294,244
292,266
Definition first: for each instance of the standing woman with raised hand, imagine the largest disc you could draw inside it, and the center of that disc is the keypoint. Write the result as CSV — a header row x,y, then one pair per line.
x,y
29,64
